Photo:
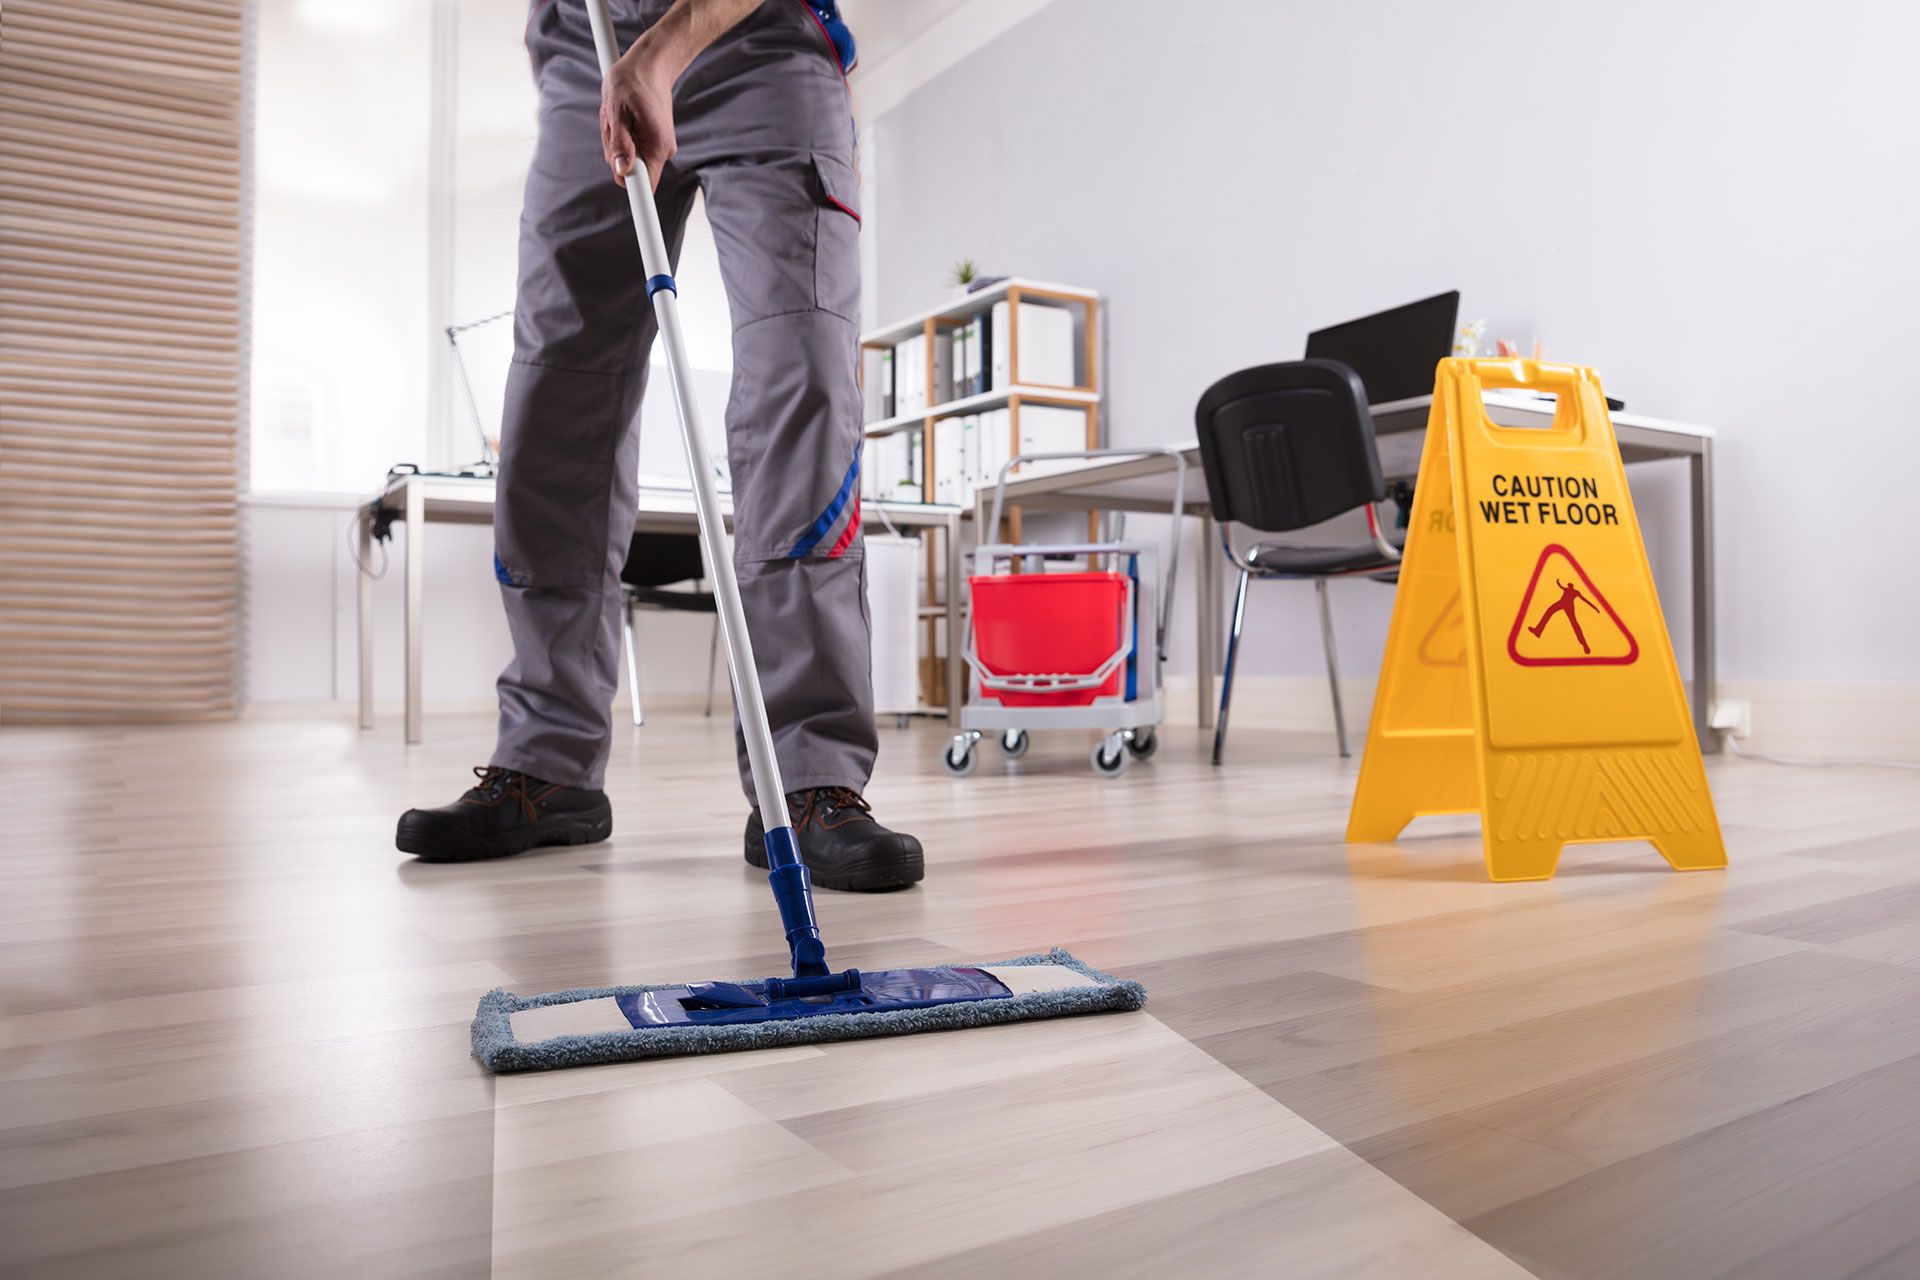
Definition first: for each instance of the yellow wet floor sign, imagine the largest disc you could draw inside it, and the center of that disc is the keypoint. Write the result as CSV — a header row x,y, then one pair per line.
x,y
1528,675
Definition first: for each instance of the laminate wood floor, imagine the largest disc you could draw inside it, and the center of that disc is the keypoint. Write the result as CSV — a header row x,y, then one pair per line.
x,y
233,1028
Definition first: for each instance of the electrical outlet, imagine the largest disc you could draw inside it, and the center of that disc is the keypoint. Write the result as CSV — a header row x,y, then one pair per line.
x,y
1733,716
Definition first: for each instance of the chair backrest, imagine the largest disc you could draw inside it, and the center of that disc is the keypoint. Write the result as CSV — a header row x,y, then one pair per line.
x,y
1288,445
662,559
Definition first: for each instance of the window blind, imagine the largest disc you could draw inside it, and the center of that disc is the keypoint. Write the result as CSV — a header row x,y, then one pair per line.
x,y
121,358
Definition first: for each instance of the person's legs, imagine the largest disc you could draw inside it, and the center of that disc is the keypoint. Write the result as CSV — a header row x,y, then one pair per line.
x,y
569,451
763,122
764,125
568,473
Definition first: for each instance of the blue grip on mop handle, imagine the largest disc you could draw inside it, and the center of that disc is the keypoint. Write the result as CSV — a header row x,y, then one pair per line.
x,y
656,283
794,892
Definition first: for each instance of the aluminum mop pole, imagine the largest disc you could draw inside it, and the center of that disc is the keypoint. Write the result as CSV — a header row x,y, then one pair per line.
x,y
787,874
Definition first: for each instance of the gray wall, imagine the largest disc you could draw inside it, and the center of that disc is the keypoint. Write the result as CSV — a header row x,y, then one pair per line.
x,y
1714,204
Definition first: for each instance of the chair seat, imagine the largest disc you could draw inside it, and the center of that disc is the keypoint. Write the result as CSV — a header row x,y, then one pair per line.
x,y
679,601
1309,561
662,560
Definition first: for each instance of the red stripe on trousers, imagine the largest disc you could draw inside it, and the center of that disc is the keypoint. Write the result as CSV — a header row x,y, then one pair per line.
x,y
846,535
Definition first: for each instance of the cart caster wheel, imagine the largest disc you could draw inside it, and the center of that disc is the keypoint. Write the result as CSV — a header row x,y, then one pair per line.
x,y
960,758
902,721
1109,758
1143,744
1014,743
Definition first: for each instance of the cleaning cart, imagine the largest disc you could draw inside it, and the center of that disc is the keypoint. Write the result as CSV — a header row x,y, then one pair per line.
x,y
1083,649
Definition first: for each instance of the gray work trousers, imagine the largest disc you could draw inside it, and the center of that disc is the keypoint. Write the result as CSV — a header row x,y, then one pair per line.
x,y
765,134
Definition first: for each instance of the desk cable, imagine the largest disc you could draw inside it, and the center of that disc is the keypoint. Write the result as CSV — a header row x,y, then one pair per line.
x,y
382,533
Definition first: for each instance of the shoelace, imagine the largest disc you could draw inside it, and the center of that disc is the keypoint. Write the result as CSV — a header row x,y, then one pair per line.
x,y
493,779
826,800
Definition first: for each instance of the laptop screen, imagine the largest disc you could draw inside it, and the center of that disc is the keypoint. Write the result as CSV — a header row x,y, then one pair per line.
x,y
1394,352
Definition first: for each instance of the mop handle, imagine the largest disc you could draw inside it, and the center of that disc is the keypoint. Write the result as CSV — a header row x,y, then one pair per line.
x,y
706,500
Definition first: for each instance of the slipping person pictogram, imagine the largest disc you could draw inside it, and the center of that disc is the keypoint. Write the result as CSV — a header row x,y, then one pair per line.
x,y
1569,596
1534,640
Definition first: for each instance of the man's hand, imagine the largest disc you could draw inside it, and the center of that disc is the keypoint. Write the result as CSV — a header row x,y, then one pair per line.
x,y
636,113
636,97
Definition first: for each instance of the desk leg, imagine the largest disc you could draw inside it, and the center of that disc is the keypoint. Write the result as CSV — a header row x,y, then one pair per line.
x,y
363,615
956,683
1704,648
416,585
1206,632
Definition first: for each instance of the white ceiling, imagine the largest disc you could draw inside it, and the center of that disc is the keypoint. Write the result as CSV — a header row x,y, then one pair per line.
x,y
881,28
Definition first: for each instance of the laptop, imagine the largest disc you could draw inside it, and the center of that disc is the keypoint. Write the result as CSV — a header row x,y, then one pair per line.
x,y
1394,352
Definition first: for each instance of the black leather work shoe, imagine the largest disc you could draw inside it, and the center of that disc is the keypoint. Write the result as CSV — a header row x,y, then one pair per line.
x,y
505,813
843,847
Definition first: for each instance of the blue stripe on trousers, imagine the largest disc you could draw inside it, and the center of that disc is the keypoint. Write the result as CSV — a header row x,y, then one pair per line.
x,y
818,530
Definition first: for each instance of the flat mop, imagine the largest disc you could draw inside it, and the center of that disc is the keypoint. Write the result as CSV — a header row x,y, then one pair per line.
x,y
616,1024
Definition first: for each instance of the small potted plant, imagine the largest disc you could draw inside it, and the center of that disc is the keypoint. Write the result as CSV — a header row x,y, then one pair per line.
x,y
966,276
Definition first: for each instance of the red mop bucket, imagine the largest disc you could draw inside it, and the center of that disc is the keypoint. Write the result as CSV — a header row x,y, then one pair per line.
x,y
1049,624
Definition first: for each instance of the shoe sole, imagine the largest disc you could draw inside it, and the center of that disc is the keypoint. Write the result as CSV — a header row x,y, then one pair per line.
x,y
587,828
861,877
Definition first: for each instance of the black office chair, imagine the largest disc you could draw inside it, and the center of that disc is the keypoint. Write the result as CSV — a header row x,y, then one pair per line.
x,y
656,561
1285,446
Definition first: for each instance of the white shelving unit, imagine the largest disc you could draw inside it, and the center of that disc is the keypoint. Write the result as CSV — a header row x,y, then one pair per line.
x,y
1085,393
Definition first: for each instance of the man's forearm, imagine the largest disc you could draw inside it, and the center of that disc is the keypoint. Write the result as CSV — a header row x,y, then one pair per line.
x,y
636,97
672,43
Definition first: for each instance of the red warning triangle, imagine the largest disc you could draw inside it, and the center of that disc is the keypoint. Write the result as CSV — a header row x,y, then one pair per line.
x,y
1564,621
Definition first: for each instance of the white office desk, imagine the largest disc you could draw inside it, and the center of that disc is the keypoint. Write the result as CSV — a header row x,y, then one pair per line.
x,y
1146,484
419,501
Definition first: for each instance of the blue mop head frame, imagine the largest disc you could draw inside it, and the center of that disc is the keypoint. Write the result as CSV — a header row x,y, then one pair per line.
x,y
497,1049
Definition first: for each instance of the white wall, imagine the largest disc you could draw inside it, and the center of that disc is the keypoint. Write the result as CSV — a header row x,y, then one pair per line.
x,y
1711,203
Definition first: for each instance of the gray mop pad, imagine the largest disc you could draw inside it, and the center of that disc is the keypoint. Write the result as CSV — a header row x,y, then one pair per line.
x,y
594,1031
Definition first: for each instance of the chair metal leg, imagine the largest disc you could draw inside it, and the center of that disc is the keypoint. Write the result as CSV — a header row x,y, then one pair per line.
x,y
633,665
1333,666
713,660
1226,675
